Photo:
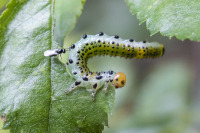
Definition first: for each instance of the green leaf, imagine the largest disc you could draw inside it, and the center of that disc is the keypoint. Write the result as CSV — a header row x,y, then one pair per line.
x,y
24,72
3,3
32,87
66,14
171,18
77,112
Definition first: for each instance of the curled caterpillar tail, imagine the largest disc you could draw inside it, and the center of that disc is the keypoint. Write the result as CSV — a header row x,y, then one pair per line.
x,y
115,46
102,44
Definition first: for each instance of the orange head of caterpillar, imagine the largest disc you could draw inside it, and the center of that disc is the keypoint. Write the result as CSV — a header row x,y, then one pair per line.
x,y
119,80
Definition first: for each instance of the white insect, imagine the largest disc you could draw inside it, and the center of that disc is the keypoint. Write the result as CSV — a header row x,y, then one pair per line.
x,y
54,52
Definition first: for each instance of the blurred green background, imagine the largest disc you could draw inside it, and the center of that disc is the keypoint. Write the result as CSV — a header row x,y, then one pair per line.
x,y
161,95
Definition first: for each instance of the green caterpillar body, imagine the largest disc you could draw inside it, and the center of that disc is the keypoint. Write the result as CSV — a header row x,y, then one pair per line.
x,y
102,44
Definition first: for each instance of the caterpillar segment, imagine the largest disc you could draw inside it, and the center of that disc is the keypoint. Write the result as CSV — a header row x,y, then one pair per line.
x,y
102,44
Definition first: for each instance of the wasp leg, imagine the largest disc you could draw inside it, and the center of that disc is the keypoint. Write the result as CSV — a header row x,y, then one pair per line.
x,y
73,86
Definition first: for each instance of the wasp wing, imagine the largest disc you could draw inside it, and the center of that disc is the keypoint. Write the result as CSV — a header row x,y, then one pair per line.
x,y
52,52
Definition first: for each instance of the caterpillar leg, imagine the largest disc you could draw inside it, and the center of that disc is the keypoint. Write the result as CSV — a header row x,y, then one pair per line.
x,y
96,86
93,95
105,87
73,87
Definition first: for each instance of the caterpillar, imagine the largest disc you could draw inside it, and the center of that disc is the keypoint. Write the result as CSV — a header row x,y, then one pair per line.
x,y
102,44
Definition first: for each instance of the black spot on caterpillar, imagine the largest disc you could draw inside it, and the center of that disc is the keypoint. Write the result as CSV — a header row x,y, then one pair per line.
x,y
102,44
